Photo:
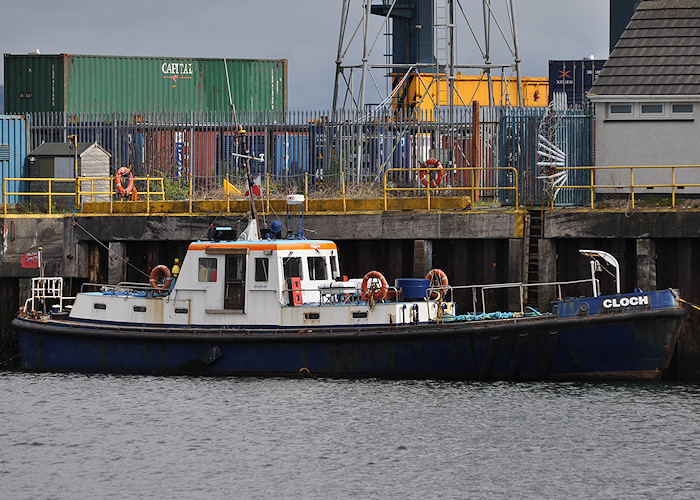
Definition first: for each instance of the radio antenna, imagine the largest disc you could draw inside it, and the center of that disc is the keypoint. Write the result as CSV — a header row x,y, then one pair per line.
x,y
246,157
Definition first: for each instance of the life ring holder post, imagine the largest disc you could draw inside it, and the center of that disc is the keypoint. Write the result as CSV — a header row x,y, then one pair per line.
x,y
128,192
426,177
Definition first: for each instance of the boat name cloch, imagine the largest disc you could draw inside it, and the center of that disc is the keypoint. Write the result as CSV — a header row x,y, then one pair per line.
x,y
641,300
176,68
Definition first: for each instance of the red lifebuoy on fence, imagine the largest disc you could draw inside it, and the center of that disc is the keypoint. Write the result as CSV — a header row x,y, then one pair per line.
x,y
432,177
438,279
160,272
374,285
124,191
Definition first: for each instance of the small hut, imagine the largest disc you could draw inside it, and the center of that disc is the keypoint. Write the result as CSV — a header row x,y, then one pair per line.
x,y
59,160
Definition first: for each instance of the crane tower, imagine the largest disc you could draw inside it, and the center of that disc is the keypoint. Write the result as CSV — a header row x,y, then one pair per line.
x,y
421,38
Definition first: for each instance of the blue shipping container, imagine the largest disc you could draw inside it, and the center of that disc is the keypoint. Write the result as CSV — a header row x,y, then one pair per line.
x,y
573,79
14,149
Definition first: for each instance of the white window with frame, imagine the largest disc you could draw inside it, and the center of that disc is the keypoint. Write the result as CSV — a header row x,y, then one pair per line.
x,y
640,111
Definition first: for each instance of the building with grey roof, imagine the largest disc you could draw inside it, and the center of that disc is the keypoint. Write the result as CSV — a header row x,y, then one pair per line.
x,y
647,96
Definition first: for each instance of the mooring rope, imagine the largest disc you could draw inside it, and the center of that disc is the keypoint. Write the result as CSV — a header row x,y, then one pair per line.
x,y
695,306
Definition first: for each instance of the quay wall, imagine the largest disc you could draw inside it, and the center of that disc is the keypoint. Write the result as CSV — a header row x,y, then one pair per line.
x,y
656,249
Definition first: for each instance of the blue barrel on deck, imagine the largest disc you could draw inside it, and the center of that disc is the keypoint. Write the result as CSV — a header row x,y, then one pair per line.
x,y
412,288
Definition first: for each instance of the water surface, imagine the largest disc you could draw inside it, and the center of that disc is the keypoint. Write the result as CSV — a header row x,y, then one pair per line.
x,y
70,436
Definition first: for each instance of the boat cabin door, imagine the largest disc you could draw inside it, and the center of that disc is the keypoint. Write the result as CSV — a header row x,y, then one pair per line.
x,y
234,287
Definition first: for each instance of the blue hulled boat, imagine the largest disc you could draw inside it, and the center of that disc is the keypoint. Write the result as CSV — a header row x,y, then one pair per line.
x,y
281,307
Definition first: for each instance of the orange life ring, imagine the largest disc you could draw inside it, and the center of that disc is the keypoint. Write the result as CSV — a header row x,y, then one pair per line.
x,y
425,175
438,279
156,273
373,289
130,186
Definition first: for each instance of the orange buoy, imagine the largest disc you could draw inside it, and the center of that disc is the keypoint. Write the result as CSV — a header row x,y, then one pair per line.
x,y
160,278
124,171
374,285
438,280
434,178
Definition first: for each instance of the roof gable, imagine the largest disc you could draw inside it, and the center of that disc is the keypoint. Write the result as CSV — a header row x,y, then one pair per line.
x,y
64,149
658,53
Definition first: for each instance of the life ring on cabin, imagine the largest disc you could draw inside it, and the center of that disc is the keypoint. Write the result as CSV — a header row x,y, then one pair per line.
x,y
374,285
433,177
438,280
124,191
160,272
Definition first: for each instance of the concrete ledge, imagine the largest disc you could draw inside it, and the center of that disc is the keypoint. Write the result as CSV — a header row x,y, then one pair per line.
x,y
667,223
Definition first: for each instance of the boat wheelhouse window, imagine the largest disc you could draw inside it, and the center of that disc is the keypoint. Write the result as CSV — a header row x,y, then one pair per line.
x,y
262,269
207,269
317,268
334,267
292,267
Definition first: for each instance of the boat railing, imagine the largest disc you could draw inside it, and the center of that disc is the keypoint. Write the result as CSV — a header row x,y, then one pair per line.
x,y
123,288
47,292
349,294
479,291
340,295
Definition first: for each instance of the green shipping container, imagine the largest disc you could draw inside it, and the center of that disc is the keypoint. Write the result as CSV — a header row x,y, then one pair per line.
x,y
84,83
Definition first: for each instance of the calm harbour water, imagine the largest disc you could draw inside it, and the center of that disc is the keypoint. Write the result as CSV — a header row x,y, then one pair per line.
x,y
97,436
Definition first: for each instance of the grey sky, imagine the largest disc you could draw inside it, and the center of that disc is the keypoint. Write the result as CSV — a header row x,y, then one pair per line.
x,y
304,31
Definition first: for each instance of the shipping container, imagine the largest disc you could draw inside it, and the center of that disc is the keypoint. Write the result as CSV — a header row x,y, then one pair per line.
x,y
570,81
469,88
14,148
93,83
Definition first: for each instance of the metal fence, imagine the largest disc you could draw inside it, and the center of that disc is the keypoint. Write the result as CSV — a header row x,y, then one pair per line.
x,y
201,149
546,147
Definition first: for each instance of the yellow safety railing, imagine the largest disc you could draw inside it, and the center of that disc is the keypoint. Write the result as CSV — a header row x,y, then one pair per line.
x,y
472,188
76,189
51,193
592,186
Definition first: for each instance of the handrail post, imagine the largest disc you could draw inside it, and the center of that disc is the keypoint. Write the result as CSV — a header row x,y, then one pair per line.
x,y
306,190
471,181
148,194
267,192
342,183
591,171
632,185
673,186
111,194
4,195
522,298
190,194
228,200
385,196
50,202
427,186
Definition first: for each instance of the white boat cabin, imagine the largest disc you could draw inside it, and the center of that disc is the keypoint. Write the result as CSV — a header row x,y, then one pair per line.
x,y
257,283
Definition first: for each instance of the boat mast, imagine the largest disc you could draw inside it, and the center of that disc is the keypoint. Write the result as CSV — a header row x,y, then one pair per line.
x,y
246,157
